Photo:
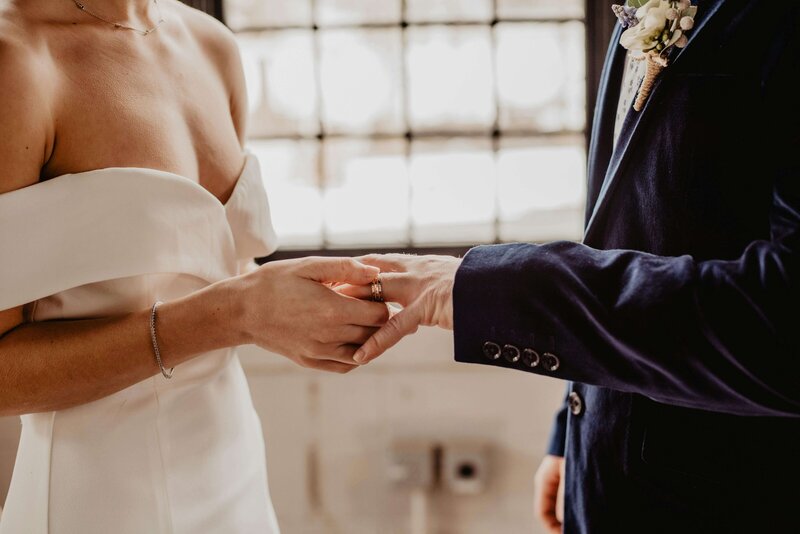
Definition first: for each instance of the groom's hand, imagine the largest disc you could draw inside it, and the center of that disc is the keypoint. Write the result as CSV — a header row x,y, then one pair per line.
x,y
548,496
291,308
423,285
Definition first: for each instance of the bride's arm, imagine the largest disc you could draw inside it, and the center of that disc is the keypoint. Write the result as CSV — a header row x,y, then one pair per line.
x,y
281,306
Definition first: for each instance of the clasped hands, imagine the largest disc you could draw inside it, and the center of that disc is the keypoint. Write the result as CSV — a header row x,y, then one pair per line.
x,y
318,311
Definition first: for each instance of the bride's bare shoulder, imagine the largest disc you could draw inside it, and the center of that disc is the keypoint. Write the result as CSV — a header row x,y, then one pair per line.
x,y
25,90
216,40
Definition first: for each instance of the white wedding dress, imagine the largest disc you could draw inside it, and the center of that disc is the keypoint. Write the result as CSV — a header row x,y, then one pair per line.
x,y
163,456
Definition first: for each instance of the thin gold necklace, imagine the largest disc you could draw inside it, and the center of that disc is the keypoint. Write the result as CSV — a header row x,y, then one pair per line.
x,y
140,31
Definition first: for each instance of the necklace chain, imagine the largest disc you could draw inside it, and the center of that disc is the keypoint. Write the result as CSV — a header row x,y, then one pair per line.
x,y
140,31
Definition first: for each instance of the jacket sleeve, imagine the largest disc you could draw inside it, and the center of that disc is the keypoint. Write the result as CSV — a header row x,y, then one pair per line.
x,y
720,335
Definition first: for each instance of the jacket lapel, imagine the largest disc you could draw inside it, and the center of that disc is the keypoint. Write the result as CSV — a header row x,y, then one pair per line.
x,y
602,135
627,137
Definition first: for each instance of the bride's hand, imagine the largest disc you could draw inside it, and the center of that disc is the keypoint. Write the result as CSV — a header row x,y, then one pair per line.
x,y
289,307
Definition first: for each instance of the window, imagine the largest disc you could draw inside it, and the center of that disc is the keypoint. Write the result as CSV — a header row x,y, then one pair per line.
x,y
417,123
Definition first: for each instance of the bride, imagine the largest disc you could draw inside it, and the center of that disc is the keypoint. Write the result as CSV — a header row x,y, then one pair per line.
x,y
124,185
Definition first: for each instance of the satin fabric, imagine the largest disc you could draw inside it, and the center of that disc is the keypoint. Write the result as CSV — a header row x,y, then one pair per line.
x,y
163,456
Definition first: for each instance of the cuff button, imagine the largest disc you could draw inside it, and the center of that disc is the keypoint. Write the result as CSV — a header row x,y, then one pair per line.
x,y
491,350
530,358
511,353
550,361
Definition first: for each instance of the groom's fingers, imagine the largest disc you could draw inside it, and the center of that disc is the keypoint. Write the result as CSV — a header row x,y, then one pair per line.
x,y
399,326
396,288
348,270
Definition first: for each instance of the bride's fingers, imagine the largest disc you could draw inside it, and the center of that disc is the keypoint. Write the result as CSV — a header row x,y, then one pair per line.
x,y
330,366
336,352
337,270
356,335
356,292
399,326
361,313
386,262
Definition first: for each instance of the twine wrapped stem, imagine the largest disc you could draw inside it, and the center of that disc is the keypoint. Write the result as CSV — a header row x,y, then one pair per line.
x,y
655,64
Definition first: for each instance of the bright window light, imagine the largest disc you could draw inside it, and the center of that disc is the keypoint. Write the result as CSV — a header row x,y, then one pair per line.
x,y
417,123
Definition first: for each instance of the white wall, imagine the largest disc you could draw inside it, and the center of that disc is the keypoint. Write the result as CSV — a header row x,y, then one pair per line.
x,y
327,438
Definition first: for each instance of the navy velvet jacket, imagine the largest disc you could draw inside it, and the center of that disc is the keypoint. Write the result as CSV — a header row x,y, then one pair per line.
x,y
676,320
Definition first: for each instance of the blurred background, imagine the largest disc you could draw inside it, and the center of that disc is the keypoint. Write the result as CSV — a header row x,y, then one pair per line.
x,y
422,126
418,123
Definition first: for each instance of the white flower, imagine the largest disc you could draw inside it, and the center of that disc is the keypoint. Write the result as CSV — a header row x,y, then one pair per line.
x,y
652,23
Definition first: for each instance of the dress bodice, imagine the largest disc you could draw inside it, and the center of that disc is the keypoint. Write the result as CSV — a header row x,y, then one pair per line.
x,y
115,223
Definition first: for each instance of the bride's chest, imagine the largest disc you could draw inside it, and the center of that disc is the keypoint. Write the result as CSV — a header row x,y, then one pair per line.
x,y
166,108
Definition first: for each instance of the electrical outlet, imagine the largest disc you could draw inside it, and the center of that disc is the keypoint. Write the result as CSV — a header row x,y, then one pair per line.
x,y
411,465
465,467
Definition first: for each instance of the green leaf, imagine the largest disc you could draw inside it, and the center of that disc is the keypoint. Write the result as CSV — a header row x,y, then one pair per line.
x,y
636,3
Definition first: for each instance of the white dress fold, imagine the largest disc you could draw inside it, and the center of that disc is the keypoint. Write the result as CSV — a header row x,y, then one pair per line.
x,y
163,456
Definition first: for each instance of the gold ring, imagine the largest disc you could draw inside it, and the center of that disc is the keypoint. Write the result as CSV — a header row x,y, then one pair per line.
x,y
377,289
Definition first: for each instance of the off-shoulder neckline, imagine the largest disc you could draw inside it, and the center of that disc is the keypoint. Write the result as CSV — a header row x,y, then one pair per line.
x,y
156,172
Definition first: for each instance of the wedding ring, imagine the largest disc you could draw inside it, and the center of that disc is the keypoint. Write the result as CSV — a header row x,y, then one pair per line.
x,y
377,289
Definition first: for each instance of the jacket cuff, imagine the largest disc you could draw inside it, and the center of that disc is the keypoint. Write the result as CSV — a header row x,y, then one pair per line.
x,y
500,315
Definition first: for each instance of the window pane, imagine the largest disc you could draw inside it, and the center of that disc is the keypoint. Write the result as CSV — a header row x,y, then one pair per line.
x,y
541,188
366,196
449,10
517,9
451,85
267,13
540,76
450,78
361,81
290,176
357,11
279,69
453,191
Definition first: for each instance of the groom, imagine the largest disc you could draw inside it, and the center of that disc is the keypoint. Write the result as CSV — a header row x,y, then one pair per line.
x,y
675,321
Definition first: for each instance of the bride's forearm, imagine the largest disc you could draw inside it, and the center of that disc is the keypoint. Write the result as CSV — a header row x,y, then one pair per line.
x,y
56,365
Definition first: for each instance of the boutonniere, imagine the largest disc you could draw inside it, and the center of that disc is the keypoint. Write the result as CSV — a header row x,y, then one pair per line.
x,y
654,29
